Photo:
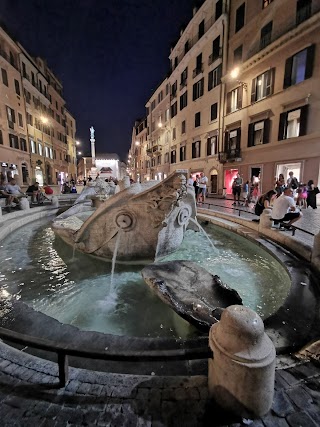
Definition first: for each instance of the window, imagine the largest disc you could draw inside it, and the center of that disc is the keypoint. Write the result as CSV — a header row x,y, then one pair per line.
x,y
183,127
166,158
197,119
160,97
40,149
218,9
33,147
153,105
234,100
23,144
174,134
4,77
186,46
17,87
184,76
237,55
214,111
240,14
216,52
265,38
198,68
174,88
266,3
258,133
167,114
198,89
262,86
11,117
51,153
1,137
196,149
159,159
29,119
293,123
173,156
182,153
20,121
46,151
233,138
14,141
201,29
174,109
167,89
212,145
214,77
303,10
183,100
299,67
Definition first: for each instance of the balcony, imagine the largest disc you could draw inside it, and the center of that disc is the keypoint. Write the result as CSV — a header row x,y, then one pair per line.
x,y
197,71
232,155
183,84
155,150
214,56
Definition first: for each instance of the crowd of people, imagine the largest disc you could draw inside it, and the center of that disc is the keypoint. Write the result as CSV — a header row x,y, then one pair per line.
x,y
286,199
199,183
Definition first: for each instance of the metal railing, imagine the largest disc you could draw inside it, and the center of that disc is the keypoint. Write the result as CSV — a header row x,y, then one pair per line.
x,y
234,208
63,351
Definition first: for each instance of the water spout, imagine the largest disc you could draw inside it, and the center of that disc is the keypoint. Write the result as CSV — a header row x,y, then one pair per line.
x,y
114,259
195,222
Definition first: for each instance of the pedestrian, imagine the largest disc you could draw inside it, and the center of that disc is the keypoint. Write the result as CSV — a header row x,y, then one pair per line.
x,y
190,181
245,193
196,186
312,194
265,201
203,181
236,189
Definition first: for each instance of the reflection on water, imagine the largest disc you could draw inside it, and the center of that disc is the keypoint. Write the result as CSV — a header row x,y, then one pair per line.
x,y
40,269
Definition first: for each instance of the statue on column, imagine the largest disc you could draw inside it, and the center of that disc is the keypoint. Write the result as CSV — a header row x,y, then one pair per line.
x,y
92,132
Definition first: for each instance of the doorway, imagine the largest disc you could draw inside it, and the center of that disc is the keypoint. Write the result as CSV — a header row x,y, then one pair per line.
x,y
214,182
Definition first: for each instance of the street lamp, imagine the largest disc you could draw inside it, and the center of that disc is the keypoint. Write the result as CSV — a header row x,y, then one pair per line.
x,y
234,75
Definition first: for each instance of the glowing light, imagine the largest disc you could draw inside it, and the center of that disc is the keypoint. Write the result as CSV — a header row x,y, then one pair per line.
x,y
160,125
79,153
235,73
137,143
78,143
44,120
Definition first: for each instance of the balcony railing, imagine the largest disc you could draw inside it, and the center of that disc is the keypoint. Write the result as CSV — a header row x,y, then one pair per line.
x,y
229,155
214,56
197,71
183,84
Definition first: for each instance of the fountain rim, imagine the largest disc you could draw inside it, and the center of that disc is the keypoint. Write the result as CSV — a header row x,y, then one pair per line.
x,y
274,324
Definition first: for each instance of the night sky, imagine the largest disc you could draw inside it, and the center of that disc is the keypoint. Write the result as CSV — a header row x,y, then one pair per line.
x,y
109,54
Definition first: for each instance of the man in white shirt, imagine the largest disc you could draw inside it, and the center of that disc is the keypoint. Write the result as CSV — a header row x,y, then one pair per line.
x,y
202,187
284,209
14,189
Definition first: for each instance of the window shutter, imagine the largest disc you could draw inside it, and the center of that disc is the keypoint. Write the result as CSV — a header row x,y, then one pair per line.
x,y
250,134
310,60
269,84
238,138
253,91
239,103
210,80
201,86
282,126
209,147
228,102
219,74
266,131
287,73
303,120
13,115
194,96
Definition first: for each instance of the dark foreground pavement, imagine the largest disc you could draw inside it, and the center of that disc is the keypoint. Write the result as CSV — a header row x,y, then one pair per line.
x,y
30,396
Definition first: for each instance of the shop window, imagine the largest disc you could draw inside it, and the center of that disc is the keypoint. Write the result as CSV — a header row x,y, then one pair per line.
x,y
198,89
197,119
234,100
266,33
262,86
240,15
183,100
303,10
214,77
293,123
182,153
299,67
196,149
258,133
173,156
214,112
212,145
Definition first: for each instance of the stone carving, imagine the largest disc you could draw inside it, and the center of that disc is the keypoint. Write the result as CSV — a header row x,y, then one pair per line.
x,y
192,292
134,216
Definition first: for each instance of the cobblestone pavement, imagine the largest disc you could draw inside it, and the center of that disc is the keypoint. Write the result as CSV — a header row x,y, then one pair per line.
x,y
30,396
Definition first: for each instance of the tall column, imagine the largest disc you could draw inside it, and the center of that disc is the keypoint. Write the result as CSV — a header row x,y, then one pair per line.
x,y
93,148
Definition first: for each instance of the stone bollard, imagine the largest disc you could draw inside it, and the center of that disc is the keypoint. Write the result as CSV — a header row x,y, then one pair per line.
x,y
24,204
265,219
241,373
55,201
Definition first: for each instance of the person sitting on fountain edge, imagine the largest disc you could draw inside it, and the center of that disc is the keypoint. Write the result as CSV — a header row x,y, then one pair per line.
x,y
285,210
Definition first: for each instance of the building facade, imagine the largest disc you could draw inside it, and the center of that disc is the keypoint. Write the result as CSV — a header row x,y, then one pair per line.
x,y
241,96
34,140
